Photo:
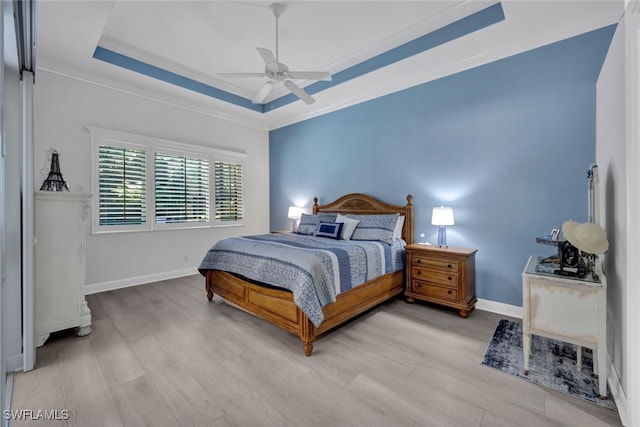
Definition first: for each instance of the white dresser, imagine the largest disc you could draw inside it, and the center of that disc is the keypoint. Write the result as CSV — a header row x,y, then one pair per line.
x,y
567,309
61,220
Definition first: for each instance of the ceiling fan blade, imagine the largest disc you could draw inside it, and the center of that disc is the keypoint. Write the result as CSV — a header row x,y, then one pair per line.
x,y
268,58
241,74
299,92
263,93
310,75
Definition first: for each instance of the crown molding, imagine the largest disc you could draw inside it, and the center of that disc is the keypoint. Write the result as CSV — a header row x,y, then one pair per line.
x,y
208,106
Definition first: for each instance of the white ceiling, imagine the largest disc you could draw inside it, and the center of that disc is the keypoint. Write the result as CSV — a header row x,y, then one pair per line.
x,y
198,39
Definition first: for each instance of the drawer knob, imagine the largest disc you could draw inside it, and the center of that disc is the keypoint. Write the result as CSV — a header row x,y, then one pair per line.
x,y
418,261
419,273
418,286
449,278
450,292
449,266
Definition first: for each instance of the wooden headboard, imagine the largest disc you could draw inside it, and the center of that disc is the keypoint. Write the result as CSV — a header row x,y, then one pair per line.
x,y
363,204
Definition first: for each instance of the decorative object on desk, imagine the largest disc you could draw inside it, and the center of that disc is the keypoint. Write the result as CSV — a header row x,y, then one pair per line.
x,y
577,254
54,181
589,237
294,213
422,236
442,217
552,363
569,255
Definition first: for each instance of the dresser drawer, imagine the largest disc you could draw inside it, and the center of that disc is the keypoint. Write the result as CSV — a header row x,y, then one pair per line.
x,y
434,276
436,264
436,292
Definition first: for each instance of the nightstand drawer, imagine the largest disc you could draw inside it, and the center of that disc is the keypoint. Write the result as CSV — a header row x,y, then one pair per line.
x,y
433,276
436,292
436,264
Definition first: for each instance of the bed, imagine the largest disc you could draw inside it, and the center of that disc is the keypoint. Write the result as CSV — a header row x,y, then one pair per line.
x,y
276,303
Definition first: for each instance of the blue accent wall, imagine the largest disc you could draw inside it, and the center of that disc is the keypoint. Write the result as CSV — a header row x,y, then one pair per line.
x,y
506,144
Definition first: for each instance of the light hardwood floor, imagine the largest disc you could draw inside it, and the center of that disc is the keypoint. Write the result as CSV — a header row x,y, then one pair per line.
x,y
161,355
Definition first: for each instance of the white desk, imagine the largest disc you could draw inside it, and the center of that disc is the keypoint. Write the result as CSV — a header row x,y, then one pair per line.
x,y
566,309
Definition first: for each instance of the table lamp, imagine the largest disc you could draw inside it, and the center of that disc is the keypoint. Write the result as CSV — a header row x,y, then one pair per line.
x,y
442,217
294,213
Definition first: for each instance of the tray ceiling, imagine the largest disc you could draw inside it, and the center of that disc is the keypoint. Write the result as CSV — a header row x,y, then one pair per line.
x,y
195,40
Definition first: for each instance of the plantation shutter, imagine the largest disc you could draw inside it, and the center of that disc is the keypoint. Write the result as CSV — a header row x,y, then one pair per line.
x,y
122,186
228,191
182,189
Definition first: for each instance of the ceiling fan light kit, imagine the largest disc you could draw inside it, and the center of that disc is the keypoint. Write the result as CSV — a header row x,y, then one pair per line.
x,y
276,71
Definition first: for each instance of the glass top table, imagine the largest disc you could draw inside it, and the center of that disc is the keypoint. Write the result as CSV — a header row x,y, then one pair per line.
x,y
537,266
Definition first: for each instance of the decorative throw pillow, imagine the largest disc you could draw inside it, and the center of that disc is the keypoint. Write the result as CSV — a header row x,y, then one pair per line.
x,y
329,229
349,227
375,227
309,223
397,232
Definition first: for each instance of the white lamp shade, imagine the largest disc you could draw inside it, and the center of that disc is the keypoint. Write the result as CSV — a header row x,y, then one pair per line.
x,y
442,216
294,212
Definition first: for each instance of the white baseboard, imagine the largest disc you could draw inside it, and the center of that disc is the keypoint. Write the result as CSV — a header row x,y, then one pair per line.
x,y
499,308
618,393
14,363
140,280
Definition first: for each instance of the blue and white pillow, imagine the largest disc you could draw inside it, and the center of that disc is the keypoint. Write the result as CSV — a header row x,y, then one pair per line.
x,y
375,227
329,229
309,223
349,227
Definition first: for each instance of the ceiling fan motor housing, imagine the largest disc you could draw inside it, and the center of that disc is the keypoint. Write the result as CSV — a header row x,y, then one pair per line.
x,y
278,9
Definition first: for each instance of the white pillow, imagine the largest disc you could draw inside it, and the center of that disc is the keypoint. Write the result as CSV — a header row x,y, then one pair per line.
x,y
349,226
397,232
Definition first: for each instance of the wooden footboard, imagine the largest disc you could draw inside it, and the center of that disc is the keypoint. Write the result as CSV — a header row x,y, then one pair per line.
x,y
277,306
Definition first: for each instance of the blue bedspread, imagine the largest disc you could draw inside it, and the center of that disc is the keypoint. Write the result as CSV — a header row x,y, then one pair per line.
x,y
314,269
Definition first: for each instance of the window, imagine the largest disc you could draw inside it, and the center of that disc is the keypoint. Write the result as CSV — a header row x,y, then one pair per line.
x,y
122,196
228,183
182,189
143,184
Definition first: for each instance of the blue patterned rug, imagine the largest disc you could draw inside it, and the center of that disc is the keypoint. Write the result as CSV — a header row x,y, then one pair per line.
x,y
552,363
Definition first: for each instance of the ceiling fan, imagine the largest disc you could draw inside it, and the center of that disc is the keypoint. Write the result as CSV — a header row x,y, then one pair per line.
x,y
276,71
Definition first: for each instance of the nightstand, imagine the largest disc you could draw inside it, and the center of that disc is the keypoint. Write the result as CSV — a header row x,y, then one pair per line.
x,y
442,275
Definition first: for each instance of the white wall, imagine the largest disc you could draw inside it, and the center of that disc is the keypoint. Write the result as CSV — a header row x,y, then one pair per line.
x,y
65,106
617,158
610,156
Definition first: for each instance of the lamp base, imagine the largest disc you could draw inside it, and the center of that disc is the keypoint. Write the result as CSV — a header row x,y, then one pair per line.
x,y
442,236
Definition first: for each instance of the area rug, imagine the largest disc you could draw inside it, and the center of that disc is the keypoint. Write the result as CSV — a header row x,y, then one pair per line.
x,y
552,363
